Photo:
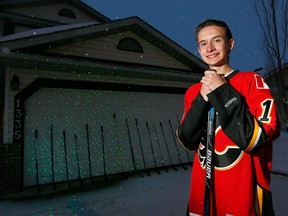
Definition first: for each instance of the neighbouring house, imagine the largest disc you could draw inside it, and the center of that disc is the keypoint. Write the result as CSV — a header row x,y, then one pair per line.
x,y
83,96
275,79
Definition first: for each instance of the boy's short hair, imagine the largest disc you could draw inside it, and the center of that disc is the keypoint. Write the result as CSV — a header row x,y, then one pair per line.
x,y
213,22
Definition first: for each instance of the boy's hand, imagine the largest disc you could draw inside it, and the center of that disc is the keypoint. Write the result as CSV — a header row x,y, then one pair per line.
x,y
212,79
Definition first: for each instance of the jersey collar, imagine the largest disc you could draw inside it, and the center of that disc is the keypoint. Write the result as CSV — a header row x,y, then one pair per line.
x,y
231,74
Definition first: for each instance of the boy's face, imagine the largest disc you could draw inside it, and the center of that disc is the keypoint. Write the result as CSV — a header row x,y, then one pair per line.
x,y
213,46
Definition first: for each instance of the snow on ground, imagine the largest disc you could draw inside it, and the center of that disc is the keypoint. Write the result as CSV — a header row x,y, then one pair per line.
x,y
279,183
156,195
159,194
280,154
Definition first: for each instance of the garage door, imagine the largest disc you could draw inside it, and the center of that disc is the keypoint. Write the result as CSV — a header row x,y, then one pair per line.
x,y
73,134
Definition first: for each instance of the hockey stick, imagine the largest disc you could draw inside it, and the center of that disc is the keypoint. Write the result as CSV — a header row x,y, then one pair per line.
x,y
185,150
131,147
162,160
52,156
77,159
36,160
103,152
209,160
89,156
176,146
151,145
166,144
142,152
120,151
66,160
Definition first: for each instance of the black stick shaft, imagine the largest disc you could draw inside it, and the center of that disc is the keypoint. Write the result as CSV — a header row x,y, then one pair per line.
x,y
166,144
151,145
157,140
52,156
77,158
36,159
120,150
140,142
209,160
175,143
88,151
188,156
66,159
131,146
103,152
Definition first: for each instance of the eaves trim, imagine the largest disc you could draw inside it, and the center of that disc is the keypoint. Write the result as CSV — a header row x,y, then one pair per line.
x,y
94,67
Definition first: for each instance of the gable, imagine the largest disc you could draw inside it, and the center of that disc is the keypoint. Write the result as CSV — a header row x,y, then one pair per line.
x,y
106,48
55,13
18,16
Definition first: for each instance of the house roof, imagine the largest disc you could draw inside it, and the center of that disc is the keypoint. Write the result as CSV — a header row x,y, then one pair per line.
x,y
39,39
42,31
14,4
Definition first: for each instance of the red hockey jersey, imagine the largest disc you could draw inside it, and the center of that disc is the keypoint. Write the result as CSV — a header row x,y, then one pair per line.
x,y
246,125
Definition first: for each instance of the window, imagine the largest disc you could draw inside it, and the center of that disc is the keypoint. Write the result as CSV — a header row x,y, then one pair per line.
x,y
67,13
130,44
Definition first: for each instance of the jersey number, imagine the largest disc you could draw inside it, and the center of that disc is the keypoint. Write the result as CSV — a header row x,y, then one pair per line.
x,y
266,111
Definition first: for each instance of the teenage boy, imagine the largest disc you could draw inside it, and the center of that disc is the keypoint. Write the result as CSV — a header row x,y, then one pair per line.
x,y
238,166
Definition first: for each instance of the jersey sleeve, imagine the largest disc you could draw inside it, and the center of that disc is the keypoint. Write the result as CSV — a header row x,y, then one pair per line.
x,y
247,112
194,119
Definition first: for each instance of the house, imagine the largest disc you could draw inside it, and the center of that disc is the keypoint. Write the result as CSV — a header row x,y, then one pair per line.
x,y
276,80
83,96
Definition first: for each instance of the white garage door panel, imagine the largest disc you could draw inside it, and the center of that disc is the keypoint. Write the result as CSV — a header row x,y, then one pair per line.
x,y
108,125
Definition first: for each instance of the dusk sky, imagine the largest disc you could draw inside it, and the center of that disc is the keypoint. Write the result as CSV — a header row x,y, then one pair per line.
x,y
177,19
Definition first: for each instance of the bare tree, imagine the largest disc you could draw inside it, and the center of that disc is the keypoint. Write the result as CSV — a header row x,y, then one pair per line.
x,y
273,19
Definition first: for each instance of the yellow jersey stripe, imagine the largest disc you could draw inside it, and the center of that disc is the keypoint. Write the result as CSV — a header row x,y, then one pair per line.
x,y
256,135
260,200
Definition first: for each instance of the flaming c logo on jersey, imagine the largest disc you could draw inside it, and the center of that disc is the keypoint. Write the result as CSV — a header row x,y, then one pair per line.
x,y
222,160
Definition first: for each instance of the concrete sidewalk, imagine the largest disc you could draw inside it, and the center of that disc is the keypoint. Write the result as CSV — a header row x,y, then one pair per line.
x,y
156,195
